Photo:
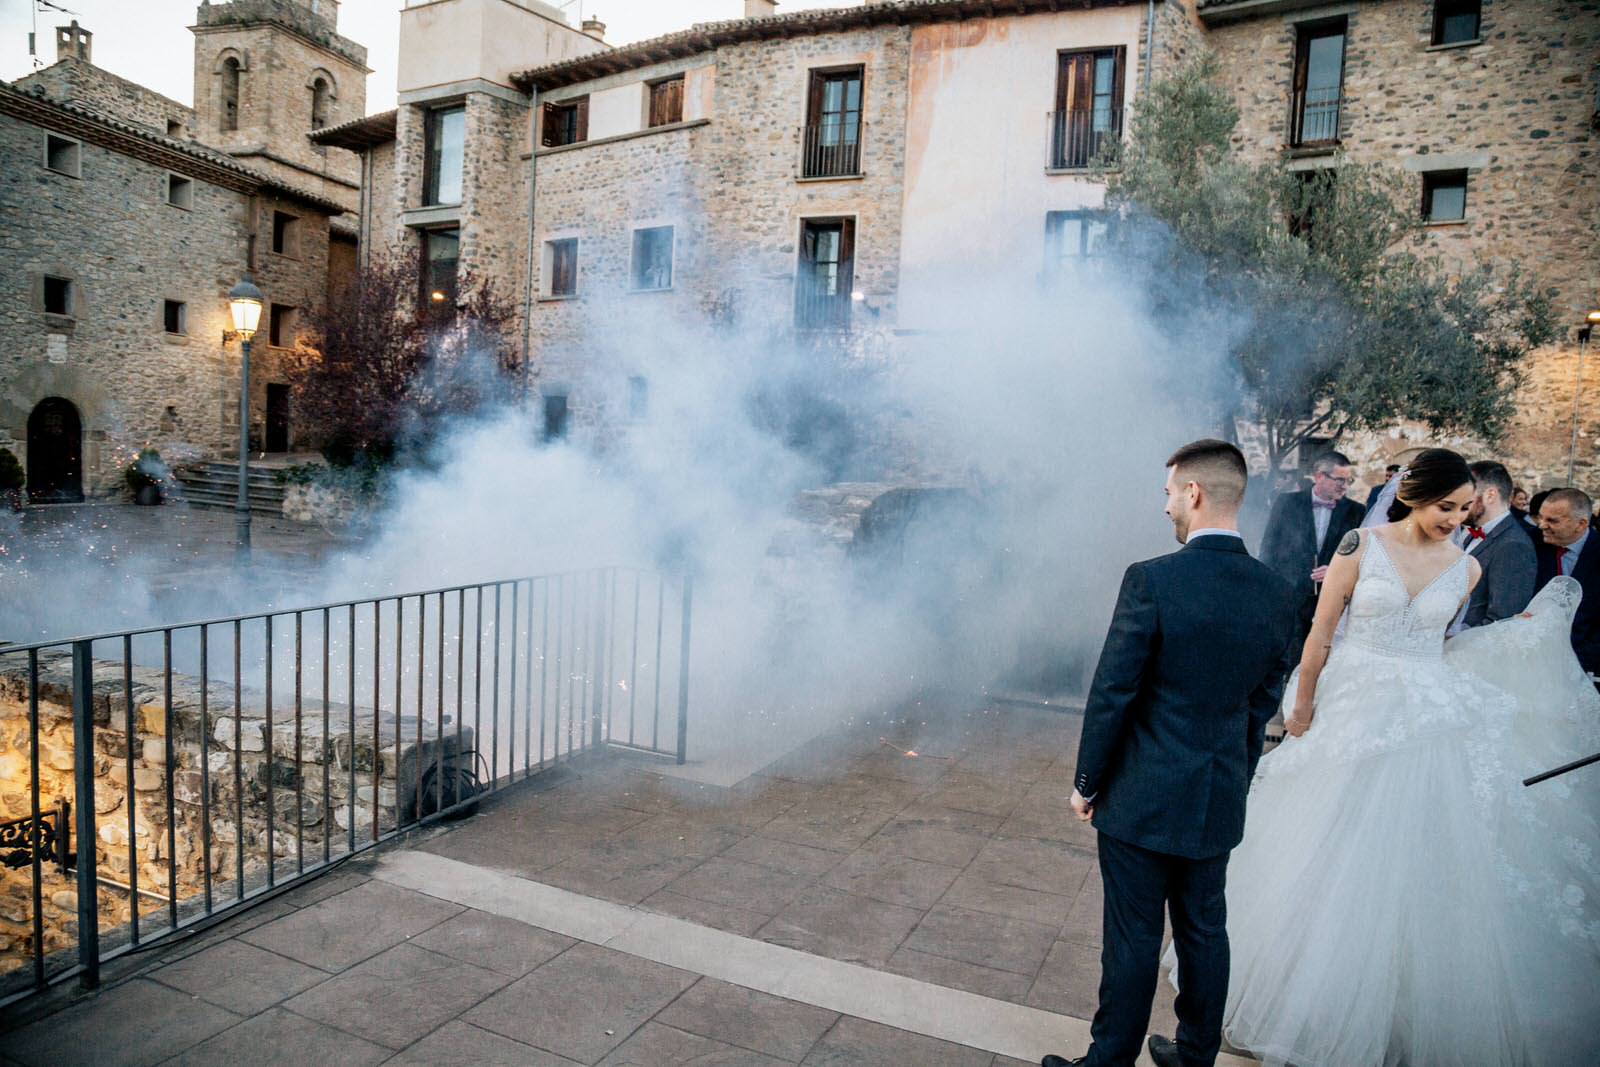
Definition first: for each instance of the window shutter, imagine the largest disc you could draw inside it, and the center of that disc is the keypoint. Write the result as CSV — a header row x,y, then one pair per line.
x,y
814,100
847,258
674,104
547,126
583,120
1118,74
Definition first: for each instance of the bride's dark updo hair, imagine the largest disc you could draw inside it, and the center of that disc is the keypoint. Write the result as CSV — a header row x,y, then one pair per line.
x,y
1432,476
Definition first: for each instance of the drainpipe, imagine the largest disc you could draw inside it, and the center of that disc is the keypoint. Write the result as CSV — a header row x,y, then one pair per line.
x,y
527,282
1149,43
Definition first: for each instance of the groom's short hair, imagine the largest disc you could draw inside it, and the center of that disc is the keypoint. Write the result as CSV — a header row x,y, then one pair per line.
x,y
1491,475
1216,466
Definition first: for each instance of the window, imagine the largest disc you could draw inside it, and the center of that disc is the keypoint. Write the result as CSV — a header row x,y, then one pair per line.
x,y
561,267
280,328
1072,236
446,139
319,103
652,258
666,101
180,191
57,296
555,416
62,154
1318,83
826,274
174,128
1088,115
565,123
229,112
1444,195
440,253
174,316
1456,21
831,141
284,232
638,397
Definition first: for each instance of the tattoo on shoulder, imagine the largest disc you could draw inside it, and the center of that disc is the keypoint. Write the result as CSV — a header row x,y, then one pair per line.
x,y
1351,542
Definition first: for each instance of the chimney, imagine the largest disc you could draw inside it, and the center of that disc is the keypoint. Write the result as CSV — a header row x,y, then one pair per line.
x,y
593,27
73,41
755,9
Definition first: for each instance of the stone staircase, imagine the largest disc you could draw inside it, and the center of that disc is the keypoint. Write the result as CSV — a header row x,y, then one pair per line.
x,y
216,485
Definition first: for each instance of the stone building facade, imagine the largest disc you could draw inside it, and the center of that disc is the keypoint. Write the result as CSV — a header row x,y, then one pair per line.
x,y
1510,108
123,229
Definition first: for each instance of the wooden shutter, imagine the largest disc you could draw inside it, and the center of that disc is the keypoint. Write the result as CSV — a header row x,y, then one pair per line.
x,y
814,99
583,120
666,102
1119,62
547,125
847,260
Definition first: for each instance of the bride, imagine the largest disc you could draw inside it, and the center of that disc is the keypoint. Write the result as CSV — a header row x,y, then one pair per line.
x,y
1399,899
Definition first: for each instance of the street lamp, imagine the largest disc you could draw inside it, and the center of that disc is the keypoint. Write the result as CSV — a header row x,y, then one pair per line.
x,y
244,304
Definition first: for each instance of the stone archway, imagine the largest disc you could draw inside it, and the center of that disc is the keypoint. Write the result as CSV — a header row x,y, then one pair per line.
x,y
55,452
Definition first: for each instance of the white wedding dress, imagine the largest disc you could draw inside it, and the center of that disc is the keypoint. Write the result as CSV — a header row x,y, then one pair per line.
x,y
1399,898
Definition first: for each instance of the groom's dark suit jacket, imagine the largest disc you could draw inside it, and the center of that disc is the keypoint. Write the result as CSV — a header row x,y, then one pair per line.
x,y
1192,669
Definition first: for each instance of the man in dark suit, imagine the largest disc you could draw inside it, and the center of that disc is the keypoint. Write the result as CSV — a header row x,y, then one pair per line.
x,y
1570,548
1303,531
1192,669
1502,548
1376,491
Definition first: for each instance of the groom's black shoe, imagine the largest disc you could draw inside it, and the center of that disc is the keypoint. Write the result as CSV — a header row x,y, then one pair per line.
x,y
1056,1061
1164,1053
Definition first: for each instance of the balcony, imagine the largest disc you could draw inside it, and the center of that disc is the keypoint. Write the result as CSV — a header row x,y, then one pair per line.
x,y
1314,117
1084,137
817,309
832,149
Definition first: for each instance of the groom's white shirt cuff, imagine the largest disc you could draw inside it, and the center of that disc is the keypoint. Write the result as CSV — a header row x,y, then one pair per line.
x,y
1213,533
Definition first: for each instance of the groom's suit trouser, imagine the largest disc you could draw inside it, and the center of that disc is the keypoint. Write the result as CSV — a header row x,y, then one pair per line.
x,y
1139,886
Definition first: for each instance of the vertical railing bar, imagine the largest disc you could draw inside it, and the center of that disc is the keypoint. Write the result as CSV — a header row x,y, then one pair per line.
x,y
544,666
438,730
205,759
633,656
299,744
272,792
683,670
661,608
170,774
326,748
133,828
477,680
561,633
611,644
33,793
83,796
422,675
494,699
511,693
238,757
350,713
461,669
579,649
377,702
597,683
399,702
527,694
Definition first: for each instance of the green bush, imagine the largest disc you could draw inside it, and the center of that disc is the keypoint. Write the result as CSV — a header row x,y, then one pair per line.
x,y
11,476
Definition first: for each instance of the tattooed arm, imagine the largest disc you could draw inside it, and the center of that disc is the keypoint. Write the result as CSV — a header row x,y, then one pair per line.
x,y
1337,589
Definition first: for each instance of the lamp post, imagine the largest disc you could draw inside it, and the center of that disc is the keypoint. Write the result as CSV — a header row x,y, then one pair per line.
x,y
244,304
1584,331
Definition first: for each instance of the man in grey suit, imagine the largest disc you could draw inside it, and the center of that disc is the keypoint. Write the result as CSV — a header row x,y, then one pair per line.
x,y
1502,548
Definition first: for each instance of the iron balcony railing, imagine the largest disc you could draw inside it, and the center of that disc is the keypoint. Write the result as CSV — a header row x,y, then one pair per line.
x,y
208,764
817,309
1083,137
1314,116
832,149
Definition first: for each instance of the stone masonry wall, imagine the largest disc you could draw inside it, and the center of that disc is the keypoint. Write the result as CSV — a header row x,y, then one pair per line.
x,y
125,250
298,822
1517,110
494,193
77,81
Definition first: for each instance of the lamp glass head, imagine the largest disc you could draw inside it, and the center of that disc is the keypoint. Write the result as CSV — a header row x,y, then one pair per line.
x,y
244,304
1593,318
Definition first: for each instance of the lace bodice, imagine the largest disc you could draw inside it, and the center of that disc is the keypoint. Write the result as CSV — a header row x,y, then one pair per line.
x,y
1386,618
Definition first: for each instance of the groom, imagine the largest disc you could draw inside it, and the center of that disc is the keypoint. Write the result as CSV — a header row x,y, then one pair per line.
x,y
1191,671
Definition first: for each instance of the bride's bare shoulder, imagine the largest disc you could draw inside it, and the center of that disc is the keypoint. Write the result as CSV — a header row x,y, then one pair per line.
x,y
1353,542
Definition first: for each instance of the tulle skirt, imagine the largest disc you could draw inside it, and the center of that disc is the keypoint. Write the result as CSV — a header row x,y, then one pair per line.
x,y
1398,898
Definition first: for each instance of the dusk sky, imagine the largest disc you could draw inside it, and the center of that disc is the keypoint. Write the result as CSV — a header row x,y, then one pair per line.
x,y
148,41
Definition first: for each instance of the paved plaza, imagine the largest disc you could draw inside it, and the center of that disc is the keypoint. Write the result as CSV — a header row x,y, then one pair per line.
x,y
850,904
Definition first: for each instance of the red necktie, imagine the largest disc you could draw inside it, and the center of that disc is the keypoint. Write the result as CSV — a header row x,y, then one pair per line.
x,y
1561,558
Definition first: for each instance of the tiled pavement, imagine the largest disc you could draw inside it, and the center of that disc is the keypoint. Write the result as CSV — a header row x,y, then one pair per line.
x,y
961,867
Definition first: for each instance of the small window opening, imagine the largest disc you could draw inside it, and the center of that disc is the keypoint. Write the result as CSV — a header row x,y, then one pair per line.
x,y
180,191
174,315
62,155
57,295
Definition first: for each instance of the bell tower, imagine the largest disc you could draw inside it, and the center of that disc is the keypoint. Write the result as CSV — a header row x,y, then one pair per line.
x,y
266,74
